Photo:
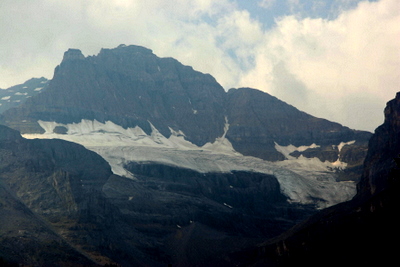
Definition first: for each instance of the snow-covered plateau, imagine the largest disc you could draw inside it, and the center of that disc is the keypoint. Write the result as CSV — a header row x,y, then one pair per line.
x,y
303,180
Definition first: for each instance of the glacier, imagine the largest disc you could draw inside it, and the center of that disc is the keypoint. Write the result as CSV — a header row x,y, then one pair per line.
x,y
302,180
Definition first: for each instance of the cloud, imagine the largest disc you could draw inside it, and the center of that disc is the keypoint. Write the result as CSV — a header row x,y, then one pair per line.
x,y
266,3
36,33
356,56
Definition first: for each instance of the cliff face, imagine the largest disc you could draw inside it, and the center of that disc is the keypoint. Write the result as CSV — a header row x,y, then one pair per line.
x,y
384,148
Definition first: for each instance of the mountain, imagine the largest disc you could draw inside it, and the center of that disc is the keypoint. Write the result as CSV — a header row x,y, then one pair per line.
x,y
130,86
18,94
258,121
360,232
127,158
137,99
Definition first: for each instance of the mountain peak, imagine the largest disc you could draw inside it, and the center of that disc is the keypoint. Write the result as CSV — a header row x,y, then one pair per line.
x,y
73,54
127,50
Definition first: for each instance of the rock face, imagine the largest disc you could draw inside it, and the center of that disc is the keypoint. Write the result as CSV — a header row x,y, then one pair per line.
x,y
26,239
384,148
41,182
361,232
131,86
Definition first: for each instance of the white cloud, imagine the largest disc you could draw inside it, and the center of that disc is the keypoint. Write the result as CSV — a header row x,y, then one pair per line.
x,y
36,33
326,63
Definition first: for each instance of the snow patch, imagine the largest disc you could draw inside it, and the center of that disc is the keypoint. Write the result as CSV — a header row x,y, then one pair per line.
x,y
111,140
303,180
6,98
93,133
310,162
342,144
222,145
338,163
227,205
287,150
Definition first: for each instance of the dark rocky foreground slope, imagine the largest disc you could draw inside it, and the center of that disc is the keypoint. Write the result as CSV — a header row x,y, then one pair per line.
x,y
131,86
361,232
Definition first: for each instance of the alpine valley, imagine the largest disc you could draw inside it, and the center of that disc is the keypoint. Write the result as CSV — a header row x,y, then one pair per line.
x,y
126,158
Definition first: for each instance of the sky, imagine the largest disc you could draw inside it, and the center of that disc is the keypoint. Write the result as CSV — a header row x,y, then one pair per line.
x,y
334,59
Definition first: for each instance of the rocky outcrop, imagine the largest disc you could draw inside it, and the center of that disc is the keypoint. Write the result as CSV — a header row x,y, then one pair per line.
x,y
73,54
384,148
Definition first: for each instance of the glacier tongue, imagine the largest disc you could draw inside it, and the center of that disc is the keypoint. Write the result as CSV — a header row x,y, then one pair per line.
x,y
303,180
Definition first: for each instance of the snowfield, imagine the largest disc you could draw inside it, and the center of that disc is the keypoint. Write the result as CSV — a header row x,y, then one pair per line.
x,y
303,180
